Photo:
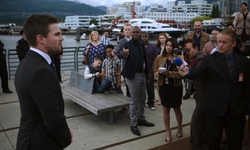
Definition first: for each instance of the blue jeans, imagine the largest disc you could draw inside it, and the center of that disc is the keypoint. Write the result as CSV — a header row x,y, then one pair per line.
x,y
118,90
107,85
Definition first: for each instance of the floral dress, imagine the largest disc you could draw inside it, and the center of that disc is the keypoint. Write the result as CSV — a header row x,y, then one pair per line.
x,y
94,51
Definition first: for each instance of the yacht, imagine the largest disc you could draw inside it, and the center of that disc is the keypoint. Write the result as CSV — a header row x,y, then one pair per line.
x,y
153,27
213,23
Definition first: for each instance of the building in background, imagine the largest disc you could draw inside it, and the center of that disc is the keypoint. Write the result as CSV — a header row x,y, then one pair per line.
x,y
73,22
229,7
127,10
181,13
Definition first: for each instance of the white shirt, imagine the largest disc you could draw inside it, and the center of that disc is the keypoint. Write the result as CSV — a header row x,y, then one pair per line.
x,y
87,74
214,50
44,55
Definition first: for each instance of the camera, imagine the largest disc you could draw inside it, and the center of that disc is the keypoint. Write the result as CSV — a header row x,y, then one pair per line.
x,y
178,51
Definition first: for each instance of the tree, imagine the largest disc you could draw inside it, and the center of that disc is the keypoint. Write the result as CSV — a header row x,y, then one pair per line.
x,y
200,18
94,21
215,11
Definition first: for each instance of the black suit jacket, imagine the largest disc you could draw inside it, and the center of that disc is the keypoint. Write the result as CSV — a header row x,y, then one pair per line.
x,y
220,91
130,63
43,124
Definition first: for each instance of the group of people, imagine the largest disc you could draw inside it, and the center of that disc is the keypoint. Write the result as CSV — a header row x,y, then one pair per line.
x,y
143,62
221,78
214,112
221,83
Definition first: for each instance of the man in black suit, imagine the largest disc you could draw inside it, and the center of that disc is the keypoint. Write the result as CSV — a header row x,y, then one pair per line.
x,y
135,71
22,47
3,70
226,92
43,123
119,47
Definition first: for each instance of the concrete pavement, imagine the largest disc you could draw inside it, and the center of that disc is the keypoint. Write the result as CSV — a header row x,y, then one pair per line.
x,y
91,131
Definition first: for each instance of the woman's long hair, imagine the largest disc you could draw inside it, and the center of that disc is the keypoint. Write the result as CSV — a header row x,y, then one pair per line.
x,y
174,45
158,43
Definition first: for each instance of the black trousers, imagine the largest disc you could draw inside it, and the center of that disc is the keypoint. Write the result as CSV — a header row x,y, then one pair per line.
x,y
3,72
234,127
151,91
198,128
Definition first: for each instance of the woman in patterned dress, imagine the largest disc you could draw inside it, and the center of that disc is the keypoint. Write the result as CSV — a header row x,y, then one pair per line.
x,y
94,48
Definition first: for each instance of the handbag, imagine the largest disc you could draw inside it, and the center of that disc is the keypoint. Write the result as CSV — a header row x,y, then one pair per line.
x,y
85,58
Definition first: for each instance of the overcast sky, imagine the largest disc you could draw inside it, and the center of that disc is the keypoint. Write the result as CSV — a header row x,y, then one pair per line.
x,y
108,3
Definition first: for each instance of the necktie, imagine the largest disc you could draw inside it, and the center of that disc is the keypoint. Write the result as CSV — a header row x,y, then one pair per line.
x,y
52,66
229,65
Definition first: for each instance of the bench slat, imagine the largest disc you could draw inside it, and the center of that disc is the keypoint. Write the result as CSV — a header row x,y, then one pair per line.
x,y
96,103
79,90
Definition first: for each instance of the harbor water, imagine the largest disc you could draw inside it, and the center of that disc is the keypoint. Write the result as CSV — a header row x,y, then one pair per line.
x,y
69,41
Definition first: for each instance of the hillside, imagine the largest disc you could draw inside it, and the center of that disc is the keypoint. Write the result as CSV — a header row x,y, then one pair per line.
x,y
17,10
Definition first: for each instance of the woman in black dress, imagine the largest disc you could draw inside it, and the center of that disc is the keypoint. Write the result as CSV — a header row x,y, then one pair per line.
x,y
170,86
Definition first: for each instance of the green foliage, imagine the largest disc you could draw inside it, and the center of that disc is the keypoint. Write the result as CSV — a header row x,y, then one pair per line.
x,y
94,21
215,11
200,18
110,20
119,17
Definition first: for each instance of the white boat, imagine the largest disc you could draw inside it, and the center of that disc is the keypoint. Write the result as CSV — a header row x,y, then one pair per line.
x,y
151,26
213,23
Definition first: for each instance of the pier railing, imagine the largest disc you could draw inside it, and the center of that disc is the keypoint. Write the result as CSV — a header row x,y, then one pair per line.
x,y
71,60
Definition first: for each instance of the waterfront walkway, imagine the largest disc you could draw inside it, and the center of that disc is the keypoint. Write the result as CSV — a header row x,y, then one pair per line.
x,y
92,132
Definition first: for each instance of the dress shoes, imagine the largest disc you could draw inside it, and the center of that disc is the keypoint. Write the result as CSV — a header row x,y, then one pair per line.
x,y
144,123
7,91
135,130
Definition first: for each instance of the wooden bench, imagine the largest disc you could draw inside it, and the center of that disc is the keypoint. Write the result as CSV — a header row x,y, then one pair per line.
x,y
79,90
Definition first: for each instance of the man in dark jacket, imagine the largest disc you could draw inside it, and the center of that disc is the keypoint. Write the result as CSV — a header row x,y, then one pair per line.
x,y
151,54
43,123
3,70
22,47
134,71
226,92
198,117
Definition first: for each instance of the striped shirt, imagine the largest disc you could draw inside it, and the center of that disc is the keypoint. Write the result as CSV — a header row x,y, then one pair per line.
x,y
111,66
105,40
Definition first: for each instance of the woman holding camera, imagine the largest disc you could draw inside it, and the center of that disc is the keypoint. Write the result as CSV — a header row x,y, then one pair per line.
x,y
170,86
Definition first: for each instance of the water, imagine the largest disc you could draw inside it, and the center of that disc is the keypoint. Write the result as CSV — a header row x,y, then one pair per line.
x,y
10,41
69,41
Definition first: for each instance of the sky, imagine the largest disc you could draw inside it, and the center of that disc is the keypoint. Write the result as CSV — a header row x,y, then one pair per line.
x,y
109,3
